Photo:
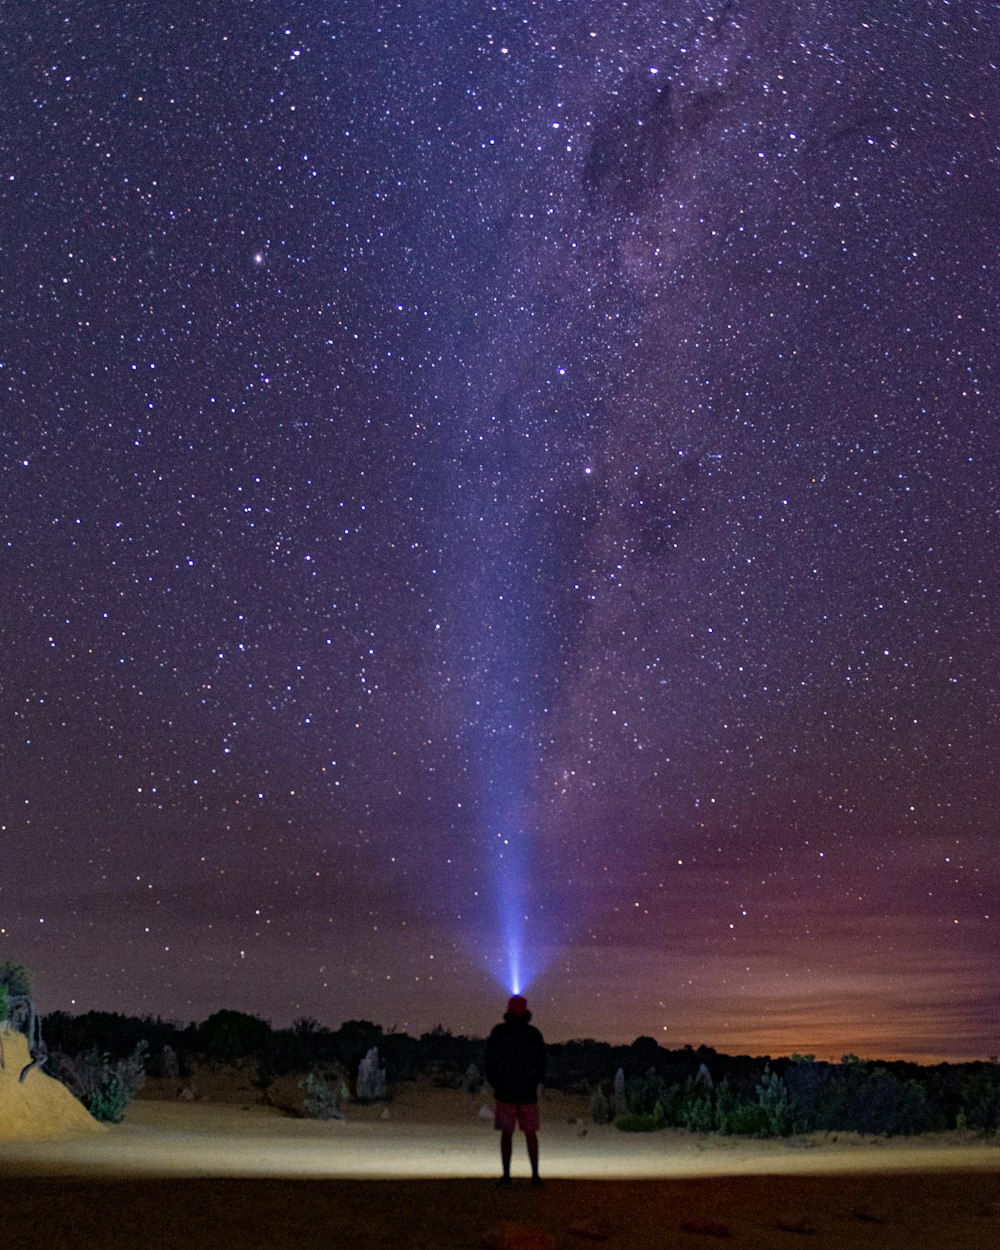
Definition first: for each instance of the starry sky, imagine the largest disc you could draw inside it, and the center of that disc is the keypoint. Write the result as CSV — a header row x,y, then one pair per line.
x,y
492,482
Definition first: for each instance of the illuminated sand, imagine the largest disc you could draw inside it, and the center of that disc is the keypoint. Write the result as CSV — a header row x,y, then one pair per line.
x,y
183,1139
38,1106
225,1174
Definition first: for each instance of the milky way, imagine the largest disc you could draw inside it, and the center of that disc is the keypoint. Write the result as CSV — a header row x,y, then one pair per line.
x,y
430,426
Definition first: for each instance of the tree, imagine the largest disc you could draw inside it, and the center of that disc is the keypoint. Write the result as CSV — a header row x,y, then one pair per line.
x,y
229,1035
16,980
646,1053
354,1039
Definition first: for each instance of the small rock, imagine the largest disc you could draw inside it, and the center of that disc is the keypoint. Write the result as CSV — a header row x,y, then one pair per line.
x,y
866,1217
710,1228
794,1224
385,1114
187,1093
593,1230
485,1112
511,1236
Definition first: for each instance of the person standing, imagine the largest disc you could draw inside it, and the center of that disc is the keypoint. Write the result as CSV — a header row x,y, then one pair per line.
x,y
515,1067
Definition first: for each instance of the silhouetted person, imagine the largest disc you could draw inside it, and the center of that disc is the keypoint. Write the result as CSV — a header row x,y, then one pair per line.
x,y
515,1066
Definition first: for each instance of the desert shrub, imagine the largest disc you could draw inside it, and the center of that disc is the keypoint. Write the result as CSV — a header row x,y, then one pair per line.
x,y
890,1106
105,1087
773,1101
672,1103
807,1085
320,1098
981,1102
108,1103
875,1102
698,1110
642,1093
638,1123
850,1098
769,1115
15,978
264,1075
15,989
746,1119
725,1099
600,1107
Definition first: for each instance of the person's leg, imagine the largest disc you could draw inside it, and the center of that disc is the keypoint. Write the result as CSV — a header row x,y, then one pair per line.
x,y
532,1141
528,1119
506,1139
505,1120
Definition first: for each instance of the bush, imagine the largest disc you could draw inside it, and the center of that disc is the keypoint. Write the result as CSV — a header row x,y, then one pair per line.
x,y
773,1101
981,1102
15,979
639,1123
108,1103
14,984
698,1111
642,1093
726,1100
850,1098
105,1088
746,1119
890,1106
671,1104
320,1098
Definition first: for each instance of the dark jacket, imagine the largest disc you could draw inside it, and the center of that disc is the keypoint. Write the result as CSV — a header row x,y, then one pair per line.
x,y
515,1060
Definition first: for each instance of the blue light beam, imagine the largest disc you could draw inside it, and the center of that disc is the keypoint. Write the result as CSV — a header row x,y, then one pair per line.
x,y
513,856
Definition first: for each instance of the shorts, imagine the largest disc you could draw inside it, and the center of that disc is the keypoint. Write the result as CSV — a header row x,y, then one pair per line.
x,y
523,1114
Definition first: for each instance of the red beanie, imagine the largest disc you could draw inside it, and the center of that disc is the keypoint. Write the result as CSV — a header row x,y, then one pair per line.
x,y
517,1006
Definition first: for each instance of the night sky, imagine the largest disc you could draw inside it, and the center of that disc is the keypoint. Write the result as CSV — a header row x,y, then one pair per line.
x,y
505,482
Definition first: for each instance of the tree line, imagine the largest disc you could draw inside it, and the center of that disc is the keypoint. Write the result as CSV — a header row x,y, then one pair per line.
x,y
695,1087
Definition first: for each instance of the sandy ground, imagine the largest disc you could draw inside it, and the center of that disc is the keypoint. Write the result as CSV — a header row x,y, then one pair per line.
x,y
233,1173
38,1106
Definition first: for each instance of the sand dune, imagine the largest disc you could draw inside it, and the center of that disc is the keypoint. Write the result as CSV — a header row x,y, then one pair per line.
x,y
38,1106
